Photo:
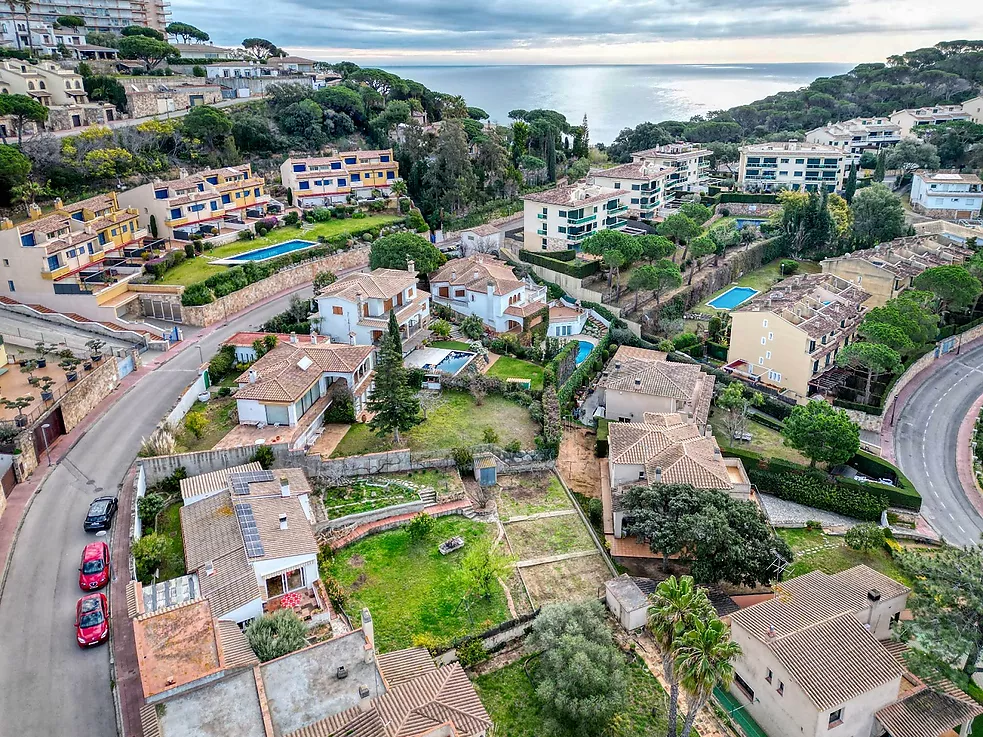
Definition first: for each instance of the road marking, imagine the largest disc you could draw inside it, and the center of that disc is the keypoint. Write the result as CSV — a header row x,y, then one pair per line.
x,y
951,517
960,528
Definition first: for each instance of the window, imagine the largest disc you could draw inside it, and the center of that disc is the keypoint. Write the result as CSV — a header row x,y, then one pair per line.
x,y
313,394
10,286
771,336
356,177
6,262
761,360
764,323
763,340
193,208
337,310
768,677
743,686
277,415
768,355
27,239
52,263
214,205
300,167
775,376
781,689
836,718
390,175
303,185
342,182
617,185
226,199
175,212
160,194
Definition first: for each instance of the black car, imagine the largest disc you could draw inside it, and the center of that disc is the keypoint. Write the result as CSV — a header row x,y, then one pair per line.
x,y
101,513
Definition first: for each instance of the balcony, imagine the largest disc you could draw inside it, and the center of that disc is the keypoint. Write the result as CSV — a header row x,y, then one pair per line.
x,y
581,221
542,215
615,210
541,231
618,223
577,237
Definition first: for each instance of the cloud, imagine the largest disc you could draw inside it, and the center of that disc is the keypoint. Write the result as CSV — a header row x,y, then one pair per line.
x,y
407,27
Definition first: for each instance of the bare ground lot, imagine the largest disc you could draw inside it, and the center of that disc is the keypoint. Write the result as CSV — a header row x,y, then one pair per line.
x,y
540,538
566,580
578,464
530,493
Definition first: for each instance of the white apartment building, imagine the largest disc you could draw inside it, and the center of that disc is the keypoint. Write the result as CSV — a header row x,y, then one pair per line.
x,y
483,286
355,309
647,181
99,15
690,163
58,89
947,194
908,119
561,218
857,135
798,166
974,109
43,37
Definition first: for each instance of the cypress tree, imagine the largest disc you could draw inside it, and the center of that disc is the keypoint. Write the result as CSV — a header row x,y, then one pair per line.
x,y
851,184
551,154
880,167
394,403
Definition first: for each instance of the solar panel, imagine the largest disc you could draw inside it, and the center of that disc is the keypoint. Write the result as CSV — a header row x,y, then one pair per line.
x,y
239,482
250,534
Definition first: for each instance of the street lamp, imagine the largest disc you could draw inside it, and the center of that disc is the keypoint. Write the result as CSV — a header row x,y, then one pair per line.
x,y
44,432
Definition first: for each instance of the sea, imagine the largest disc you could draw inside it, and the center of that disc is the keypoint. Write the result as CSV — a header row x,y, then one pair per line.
x,y
615,97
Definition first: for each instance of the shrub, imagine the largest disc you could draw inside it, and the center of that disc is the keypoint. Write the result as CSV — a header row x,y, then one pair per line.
x,y
684,340
473,327
513,446
189,250
595,510
277,634
196,294
341,411
471,652
576,268
420,526
196,423
149,553
224,391
291,218
865,537
222,364
489,435
430,642
441,328
814,525
148,507
264,457
789,266
463,458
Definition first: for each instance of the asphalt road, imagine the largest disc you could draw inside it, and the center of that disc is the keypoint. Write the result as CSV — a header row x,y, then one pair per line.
x,y
925,439
48,686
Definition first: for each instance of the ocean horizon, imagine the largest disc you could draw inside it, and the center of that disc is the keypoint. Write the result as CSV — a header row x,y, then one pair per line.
x,y
614,96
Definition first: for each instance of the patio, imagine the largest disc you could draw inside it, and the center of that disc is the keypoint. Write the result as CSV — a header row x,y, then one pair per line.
x,y
14,383
242,435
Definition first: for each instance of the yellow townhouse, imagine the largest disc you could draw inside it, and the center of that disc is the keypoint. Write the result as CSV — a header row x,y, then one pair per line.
x,y
326,180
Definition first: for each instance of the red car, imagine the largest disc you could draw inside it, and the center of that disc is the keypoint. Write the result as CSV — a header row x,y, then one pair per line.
x,y
94,568
92,620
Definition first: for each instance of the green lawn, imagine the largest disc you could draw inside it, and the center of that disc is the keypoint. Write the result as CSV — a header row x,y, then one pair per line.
x,y
169,524
765,441
510,698
196,269
507,367
759,279
546,536
450,345
411,588
834,560
220,412
525,494
457,422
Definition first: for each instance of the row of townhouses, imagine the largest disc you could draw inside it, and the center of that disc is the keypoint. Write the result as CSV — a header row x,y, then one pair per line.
x,y
326,180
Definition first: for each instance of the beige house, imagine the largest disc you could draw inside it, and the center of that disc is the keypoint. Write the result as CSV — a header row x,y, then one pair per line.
x,y
665,449
811,167
887,269
814,663
647,180
561,218
974,109
857,135
58,89
787,337
637,381
932,115
146,97
690,164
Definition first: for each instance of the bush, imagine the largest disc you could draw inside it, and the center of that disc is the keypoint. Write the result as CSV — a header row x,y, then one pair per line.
x,y
865,537
148,507
420,526
275,635
684,340
789,266
471,652
291,218
196,294
513,446
814,525
463,459
578,269
196,423
189,250
595,510
341,411
903,495
224,391
149,553
222,364
815,489
264,457
489,435
473,327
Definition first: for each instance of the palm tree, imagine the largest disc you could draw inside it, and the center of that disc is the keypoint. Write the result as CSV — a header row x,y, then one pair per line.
x,y
27,5
676,604
398,187
704,660
13,5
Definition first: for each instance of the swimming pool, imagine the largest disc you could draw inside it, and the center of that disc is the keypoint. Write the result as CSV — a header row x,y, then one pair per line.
x,y
733,297
754,222
454,362
262,254
583,350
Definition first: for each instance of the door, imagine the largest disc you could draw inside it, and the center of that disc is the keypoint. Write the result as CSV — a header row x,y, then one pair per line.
x,y
125,366
77,121
161,309
50,430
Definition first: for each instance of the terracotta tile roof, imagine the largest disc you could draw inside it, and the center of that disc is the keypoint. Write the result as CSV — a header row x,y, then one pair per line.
x,y
232,583
657,378
296,478
576,195
639,171
476,272
210,531
563,313
207,483
246,340
297,539
233,645
445,695
352,722
483,230
530,308
69,240
378,284
636,442
625,352
280,377
47,224
404,665
926,713
95,204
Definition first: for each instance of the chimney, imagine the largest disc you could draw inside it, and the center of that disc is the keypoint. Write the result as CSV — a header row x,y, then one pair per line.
x,y
638,382
284,486
364,692
33,211
341,673
327,339
873,596
772,633
313,337
617,365
253,376
58,203
716,452
283,519
351,338
293,338
491,288
476,274
658,474
453,275
411,266
182,173
368,629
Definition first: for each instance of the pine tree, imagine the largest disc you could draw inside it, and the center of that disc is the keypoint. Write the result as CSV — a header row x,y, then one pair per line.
x,y
881,166
394,403
850,188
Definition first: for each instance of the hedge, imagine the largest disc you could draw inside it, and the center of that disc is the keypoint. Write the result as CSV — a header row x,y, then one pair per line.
x,y
767,421
763,199
577,269
716,350
949,330
904,494
593,363
870,409
563,365
601,450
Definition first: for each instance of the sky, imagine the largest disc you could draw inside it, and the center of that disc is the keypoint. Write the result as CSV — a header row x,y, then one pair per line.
x,y
409,32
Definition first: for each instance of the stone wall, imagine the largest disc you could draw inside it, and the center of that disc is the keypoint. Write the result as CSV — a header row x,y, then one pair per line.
x,y
373,516
83,398
27,460
356,259
204,461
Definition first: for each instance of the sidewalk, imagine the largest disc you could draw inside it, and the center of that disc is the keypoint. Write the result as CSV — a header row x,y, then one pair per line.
x,y
964,456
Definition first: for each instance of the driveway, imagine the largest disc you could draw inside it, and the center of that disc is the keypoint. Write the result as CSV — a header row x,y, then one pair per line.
x,y
47,685
925,441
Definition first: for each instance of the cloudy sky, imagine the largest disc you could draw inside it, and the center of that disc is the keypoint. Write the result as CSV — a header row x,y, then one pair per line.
x,y
587,31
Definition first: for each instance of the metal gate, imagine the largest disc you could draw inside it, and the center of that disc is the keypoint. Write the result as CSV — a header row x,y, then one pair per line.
x,y
125,366
161,309
48,432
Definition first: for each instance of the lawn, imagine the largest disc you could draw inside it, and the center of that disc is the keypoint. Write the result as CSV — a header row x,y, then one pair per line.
x,y
196,269
364,495
510,698
507,367
759,279
411,588
450,345
566,580
222,417
456,422
169,525
765,441
834,560
546,536
525,494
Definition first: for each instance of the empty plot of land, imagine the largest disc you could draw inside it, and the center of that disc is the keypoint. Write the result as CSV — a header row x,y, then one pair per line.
x,y
541,538
566,580
531,493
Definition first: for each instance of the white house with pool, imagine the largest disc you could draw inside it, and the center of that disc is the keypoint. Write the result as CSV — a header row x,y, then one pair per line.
x,y
355,309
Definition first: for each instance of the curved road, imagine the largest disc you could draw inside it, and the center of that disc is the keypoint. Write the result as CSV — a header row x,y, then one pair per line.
x,y
925,440
47,685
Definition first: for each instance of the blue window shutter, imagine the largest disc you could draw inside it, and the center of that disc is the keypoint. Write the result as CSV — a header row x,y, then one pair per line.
x,y
160,194
214,205
350,160
303,185
52,263
335,164
390,175
78,215
226,199
27,239
256,192
92,249
300,167
384,159
342,182
102,238
356,177
175,212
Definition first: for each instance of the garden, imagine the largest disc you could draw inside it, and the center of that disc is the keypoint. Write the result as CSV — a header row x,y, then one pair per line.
x,y
506,367
160,549
366,494
816,551
415,594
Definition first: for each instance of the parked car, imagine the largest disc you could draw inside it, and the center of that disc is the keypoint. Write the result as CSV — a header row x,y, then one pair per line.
x,y
92,620
101,513
94,568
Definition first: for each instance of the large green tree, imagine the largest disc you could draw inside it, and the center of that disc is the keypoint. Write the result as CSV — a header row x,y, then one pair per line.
x,y
187,32
878,215
654,277
681,229
655,247
394,251
910,154
22,109
604,240
450,181
872,359
953,286
14,168
275,635
581,678
148,50
947,602
823,433
736,402
261,49
393,401
208,124
910,314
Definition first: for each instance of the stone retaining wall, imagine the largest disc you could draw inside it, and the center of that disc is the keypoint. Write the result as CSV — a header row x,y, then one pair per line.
x,y
375,515
356,259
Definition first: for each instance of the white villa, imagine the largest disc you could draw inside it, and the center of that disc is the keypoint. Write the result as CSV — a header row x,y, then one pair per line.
x,y
857,135
810,167
483,286
947,194
647,180
690,164
355,309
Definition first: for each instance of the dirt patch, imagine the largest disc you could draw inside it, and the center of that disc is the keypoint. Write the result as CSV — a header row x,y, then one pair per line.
x,y
356,561
539,538
506,656
530,493
566,580
577,463
358,583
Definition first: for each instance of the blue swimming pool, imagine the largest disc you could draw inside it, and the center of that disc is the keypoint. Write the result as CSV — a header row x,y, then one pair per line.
x,y
733,297
583,350
754,222
454,362
262,254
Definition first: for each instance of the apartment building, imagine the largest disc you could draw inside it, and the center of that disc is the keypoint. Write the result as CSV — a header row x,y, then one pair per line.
x,y
787,337
99,15
664,448
355,309
292,64
887,269
42,37
811,167
76,258
204,51
647,181
149,96
197,203
974,109
690,163
483,286
58,89
912,117
857,135
327,180
948,194
561,218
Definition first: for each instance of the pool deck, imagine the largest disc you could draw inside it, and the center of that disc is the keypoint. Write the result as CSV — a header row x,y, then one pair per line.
x,y
753,293
239,260
423,357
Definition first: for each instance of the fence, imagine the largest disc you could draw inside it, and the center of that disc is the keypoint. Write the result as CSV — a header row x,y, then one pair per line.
x,y
494,638
187,400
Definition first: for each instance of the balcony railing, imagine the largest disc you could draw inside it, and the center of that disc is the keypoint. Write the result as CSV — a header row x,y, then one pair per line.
x,y
581,221
616,210
542,215
541,231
